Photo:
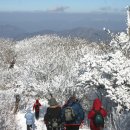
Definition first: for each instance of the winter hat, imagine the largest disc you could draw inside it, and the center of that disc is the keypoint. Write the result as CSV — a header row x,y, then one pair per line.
x,y
52,102
72,98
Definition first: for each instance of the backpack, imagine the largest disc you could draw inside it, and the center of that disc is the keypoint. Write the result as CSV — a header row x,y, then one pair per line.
x,y
98,119
54,123
69,114
54,120
53,117
37,107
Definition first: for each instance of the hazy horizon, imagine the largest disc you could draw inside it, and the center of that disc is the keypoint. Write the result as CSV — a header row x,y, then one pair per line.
x,y
37,21
64,5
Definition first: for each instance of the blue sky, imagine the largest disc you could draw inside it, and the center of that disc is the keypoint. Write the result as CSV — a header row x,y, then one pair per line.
x,y
64,5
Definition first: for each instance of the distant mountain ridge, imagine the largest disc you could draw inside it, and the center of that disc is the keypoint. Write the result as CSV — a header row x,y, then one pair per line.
x,y
9,31
90,34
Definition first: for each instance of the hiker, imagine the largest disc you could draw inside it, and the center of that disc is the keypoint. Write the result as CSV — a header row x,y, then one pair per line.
x,y
96,115
12,64
30,120
52,118
36,107
72,114
17,100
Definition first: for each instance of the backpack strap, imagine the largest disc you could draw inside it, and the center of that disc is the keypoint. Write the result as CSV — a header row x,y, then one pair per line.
x,y
97,110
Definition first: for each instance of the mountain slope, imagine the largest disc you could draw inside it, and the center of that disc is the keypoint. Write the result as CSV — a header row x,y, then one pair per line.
x,y
92,35
9,31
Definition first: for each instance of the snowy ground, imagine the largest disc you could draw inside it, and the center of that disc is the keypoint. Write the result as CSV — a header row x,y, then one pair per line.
x,y
39,124
21,121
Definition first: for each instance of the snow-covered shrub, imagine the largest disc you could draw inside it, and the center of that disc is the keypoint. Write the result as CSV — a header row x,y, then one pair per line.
x,y
7,53
118,120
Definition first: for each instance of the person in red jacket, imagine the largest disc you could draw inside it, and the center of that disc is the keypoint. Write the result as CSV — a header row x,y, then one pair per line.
x,y
36,107
97,106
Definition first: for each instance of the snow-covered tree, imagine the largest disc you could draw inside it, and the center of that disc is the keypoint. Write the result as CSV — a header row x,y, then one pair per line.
x,y
62,67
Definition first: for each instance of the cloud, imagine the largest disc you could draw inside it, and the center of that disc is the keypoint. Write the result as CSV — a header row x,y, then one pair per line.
x,y
110,9
58,9
107,8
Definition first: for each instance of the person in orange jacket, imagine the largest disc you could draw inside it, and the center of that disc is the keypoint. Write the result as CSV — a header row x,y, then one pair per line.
x,y
36,107
97,107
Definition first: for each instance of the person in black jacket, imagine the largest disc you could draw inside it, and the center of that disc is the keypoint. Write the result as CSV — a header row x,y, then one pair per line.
x,y
52,117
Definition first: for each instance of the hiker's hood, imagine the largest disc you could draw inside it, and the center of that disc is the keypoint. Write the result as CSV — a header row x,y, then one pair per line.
x,y
37,101
97,104
28,110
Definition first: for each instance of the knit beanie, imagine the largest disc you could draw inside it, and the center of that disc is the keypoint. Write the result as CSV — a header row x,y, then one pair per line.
x,y
52,102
